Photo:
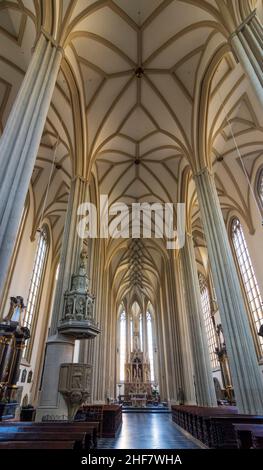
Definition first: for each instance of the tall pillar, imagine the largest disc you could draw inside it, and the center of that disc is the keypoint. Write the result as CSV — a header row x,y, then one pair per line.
x,y
127,337
176,381
187,356
163,348
20,142
244,367
203,381
247,43
145,333
60,348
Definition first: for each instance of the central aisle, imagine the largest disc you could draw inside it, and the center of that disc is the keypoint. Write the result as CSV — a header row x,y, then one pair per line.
x,y
149,431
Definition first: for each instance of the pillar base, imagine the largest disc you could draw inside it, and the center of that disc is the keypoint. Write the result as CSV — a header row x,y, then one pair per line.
x,y
59,350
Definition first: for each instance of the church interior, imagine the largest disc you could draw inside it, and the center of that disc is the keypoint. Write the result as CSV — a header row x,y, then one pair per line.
x,y
132,340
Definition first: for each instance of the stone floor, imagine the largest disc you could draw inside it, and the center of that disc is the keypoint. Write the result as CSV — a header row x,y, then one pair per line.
x,y
149,431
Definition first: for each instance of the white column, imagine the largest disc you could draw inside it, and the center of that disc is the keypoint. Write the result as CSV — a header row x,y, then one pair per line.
x,y
20,142
176,381
187,357
127,337
247,43
60,349
203,380
164,347
244,367
145,333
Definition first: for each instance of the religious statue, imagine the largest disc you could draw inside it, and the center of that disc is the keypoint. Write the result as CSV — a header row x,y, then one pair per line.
x,y
83,259
136,340
69,308
148,373
80,309
77,379
16,310
90,308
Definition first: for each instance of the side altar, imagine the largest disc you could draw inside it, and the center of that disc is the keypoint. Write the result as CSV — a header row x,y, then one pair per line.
x,y
13,336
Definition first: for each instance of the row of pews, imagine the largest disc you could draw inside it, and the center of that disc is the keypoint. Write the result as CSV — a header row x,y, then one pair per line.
x,y
92,422
220,427
31,435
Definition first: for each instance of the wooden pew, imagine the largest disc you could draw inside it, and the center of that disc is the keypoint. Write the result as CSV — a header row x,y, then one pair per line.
x,y
47,445
90,429
213,425
41,436
248,435
223,430
195,419
110,417
257,438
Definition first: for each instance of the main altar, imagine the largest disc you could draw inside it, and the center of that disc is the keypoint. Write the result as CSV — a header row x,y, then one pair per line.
x,y
137,384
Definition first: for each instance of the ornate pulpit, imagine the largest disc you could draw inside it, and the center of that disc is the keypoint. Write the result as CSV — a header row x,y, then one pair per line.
x,y
77,322
78,313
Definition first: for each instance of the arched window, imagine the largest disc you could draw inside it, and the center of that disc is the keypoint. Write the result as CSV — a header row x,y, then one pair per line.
x,y
248,276
122,345
36,280
209,325
141,333
260,187
150,342
131,332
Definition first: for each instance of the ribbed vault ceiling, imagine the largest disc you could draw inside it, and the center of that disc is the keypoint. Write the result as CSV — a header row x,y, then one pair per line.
x,y
136,68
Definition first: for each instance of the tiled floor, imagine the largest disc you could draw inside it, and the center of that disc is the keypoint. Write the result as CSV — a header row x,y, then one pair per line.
x,y
149,431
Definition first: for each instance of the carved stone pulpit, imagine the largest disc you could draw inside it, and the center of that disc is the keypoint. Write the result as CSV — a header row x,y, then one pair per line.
x,y
78,312
75,385
77,322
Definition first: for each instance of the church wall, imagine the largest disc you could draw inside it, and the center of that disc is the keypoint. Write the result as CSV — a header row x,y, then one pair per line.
x,y
19,285
21,278
40,333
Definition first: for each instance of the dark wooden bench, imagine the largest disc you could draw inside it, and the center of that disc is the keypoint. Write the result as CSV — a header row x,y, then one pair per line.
x,y
31,436
257,439
223,433
89,429
249,435
109,416
213,425
87,434
195,419
47,445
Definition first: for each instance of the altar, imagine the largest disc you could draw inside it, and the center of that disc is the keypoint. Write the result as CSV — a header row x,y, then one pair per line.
x,y
137,372
138,400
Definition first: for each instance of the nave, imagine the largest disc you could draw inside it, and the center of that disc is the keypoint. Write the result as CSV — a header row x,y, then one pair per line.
x,y
149,431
